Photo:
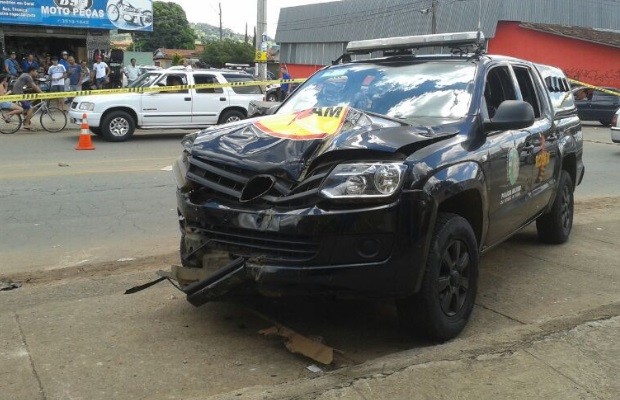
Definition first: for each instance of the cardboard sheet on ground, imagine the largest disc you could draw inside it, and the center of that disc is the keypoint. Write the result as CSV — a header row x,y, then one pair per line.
x,y
299,344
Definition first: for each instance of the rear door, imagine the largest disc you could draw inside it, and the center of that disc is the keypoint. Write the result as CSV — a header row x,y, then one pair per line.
x,y
209,102
169,108
542,137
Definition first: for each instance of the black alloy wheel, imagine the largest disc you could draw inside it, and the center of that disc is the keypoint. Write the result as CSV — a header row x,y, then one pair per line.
x,y
442,308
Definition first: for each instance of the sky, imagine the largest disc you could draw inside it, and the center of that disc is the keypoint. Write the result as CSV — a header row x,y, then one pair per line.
x,y
235,13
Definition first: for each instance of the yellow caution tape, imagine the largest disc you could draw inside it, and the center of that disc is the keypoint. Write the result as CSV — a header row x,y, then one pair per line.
x,y
61,95
598,88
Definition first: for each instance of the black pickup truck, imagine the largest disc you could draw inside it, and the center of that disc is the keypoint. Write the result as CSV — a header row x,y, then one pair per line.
x,y
386,177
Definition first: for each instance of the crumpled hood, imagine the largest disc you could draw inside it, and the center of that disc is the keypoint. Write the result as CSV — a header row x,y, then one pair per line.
x,y
286,144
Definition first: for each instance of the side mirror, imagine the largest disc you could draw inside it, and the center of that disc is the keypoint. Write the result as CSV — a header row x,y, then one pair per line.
x,y
511,114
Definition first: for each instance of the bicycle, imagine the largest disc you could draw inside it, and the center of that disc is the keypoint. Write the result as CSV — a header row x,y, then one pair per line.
x,y
52,119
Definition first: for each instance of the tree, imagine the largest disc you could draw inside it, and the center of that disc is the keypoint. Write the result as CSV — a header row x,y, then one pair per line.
x,y
170,29
219,52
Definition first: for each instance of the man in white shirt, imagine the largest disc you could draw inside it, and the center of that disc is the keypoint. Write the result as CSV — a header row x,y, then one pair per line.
x,y
101,71
132,72
57,73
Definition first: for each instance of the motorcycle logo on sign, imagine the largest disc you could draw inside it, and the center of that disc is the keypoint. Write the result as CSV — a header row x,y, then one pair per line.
x,y
131,16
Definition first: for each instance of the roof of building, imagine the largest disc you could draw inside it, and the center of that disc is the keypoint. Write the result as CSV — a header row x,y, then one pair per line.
x,y
346,20
163,53
600,36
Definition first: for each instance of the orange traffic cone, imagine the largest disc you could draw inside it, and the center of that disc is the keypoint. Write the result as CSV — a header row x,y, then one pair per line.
x,y
84,142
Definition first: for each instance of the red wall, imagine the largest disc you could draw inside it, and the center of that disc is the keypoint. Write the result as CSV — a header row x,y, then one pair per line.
x,y
302,70
584,61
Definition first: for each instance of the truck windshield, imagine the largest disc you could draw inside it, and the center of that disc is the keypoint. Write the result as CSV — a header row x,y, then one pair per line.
x,y
427,89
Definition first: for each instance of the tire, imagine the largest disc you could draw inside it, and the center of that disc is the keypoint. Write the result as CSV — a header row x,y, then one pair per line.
x,y
96,131
12,125
53,120
272,97
113,12
605,122
554,226
442,308
231,116
117,126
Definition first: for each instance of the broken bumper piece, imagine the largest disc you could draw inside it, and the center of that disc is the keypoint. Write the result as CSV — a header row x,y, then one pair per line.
x,y
218,284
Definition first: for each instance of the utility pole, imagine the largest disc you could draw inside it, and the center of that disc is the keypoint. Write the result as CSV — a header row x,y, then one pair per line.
x,y
433,16
220,21
261,30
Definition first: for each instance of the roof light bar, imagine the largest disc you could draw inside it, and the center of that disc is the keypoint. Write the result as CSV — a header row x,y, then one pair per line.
x,y
414,42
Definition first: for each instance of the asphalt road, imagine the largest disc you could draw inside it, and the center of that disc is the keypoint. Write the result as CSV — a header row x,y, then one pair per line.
x,y
62,207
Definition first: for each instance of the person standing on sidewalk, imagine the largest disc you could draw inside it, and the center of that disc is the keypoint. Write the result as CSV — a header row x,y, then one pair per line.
x,y
85,78
132,72
29,62
57,73
101,72
26,80
11,66
75,74
284,88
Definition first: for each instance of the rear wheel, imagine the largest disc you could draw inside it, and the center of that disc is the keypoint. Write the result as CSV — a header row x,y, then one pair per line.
x,y
10,123
117,126
231,116
53,119
554,227
442,308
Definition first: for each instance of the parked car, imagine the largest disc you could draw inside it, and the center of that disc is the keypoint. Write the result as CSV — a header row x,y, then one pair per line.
x,y
615,127
594,105
383,177
116,116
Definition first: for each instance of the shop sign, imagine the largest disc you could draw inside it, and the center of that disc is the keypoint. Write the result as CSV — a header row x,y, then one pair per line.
x,y
95,14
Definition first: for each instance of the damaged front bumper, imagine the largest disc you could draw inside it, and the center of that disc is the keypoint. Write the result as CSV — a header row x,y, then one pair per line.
x,y
377,251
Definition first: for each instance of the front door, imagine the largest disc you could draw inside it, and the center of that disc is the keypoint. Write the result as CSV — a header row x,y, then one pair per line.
x,y
168,108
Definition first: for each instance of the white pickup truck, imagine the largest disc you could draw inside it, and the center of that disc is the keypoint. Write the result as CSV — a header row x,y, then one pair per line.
x,y
116,116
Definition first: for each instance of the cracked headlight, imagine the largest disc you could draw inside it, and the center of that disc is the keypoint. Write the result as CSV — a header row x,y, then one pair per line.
x,y
364,180
86,106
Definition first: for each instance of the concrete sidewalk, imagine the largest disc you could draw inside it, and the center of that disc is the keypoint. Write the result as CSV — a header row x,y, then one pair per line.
x,y
546,325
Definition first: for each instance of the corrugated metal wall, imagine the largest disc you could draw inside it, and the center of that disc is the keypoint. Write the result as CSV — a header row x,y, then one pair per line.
x,y
313,34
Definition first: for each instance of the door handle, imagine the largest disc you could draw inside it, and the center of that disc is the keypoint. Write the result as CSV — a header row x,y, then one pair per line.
x,y
188,99
222,98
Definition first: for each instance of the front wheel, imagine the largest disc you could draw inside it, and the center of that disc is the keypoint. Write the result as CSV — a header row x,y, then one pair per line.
x,y
113,12
117,126
442,308
554,226
605,122
53,119
10,123
96,131
231,116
